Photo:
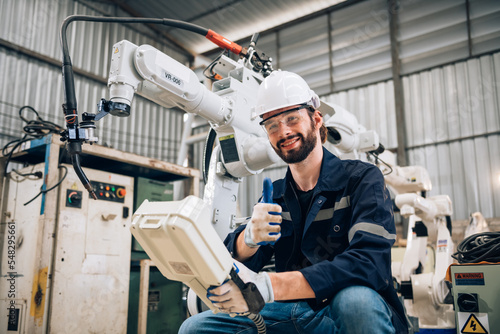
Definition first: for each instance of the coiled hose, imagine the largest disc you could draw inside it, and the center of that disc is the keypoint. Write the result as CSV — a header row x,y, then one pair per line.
x,y
258,321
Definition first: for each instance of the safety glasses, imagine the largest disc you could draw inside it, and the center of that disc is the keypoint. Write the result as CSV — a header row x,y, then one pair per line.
x,y
288,118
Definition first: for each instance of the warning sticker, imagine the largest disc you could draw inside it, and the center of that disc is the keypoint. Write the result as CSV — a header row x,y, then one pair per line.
x,y
229,149
442,245
469,279
471,323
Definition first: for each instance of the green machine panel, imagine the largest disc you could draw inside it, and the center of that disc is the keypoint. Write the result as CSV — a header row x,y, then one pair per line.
x,y
166,310
476,294
153,191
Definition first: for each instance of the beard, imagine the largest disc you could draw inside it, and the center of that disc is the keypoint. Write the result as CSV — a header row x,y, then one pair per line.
x,y
298,154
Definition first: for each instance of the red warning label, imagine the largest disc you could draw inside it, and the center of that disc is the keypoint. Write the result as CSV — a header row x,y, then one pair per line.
x,y
469,278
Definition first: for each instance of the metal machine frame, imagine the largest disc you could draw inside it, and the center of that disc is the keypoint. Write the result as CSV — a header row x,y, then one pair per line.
x,y
49,150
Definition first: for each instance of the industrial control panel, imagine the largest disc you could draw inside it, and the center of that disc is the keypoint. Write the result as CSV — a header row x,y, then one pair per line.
x,y
65,257
109,192
476,291
92,255
91,265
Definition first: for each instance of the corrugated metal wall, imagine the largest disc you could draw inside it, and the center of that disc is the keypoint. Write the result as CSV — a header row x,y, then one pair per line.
x,y
350,47
453,129
452,125
373,106
151,130
433,33
452,109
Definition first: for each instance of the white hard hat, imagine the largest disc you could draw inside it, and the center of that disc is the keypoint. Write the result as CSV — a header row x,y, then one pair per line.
x,y
283,89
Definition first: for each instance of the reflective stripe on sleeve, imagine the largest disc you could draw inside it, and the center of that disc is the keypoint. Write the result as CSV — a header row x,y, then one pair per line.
x,y
370,228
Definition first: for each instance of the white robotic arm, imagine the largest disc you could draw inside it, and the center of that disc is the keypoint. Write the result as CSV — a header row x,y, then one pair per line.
x,y
243,148
157,77
180,236
348,136
403,180
428,287
188,252
426,209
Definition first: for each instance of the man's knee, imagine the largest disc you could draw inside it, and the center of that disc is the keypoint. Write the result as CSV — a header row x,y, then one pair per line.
x,y
359,309
194,324
187,326
356,301
207,322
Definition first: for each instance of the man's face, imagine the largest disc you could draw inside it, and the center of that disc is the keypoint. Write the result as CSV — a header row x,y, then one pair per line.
x,y
292,134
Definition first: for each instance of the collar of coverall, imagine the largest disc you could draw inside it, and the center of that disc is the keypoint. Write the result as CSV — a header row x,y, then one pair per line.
x,y
333,176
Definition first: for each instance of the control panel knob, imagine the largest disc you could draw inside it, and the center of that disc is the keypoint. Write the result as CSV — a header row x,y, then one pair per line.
x,y
121,192
73,198
467,302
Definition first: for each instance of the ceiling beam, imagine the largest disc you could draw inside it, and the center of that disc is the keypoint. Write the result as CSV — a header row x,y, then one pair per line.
x,y
213,10
308,17
129,10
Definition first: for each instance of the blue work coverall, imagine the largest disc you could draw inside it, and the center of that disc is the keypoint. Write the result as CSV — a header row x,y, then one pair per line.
x,y
346,238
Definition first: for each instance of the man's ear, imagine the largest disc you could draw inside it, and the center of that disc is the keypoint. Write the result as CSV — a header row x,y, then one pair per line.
x,y
318,118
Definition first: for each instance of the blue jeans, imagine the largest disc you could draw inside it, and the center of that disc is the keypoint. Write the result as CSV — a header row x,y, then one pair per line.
x,y
356,309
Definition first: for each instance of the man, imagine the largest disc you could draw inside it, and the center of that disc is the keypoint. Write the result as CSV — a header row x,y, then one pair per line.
x,y
331,240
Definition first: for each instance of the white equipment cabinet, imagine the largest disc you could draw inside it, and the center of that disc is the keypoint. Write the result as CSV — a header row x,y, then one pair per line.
x,y
92,255
72,253
18,258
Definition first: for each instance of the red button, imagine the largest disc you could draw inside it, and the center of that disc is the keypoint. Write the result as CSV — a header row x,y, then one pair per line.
x,y
121,192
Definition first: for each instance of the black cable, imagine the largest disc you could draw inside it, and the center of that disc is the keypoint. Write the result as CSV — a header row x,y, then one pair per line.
x,y
382,161
70,103
35,128
479,247
37,174
168,22
43,191
17,142
38,127
207,153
